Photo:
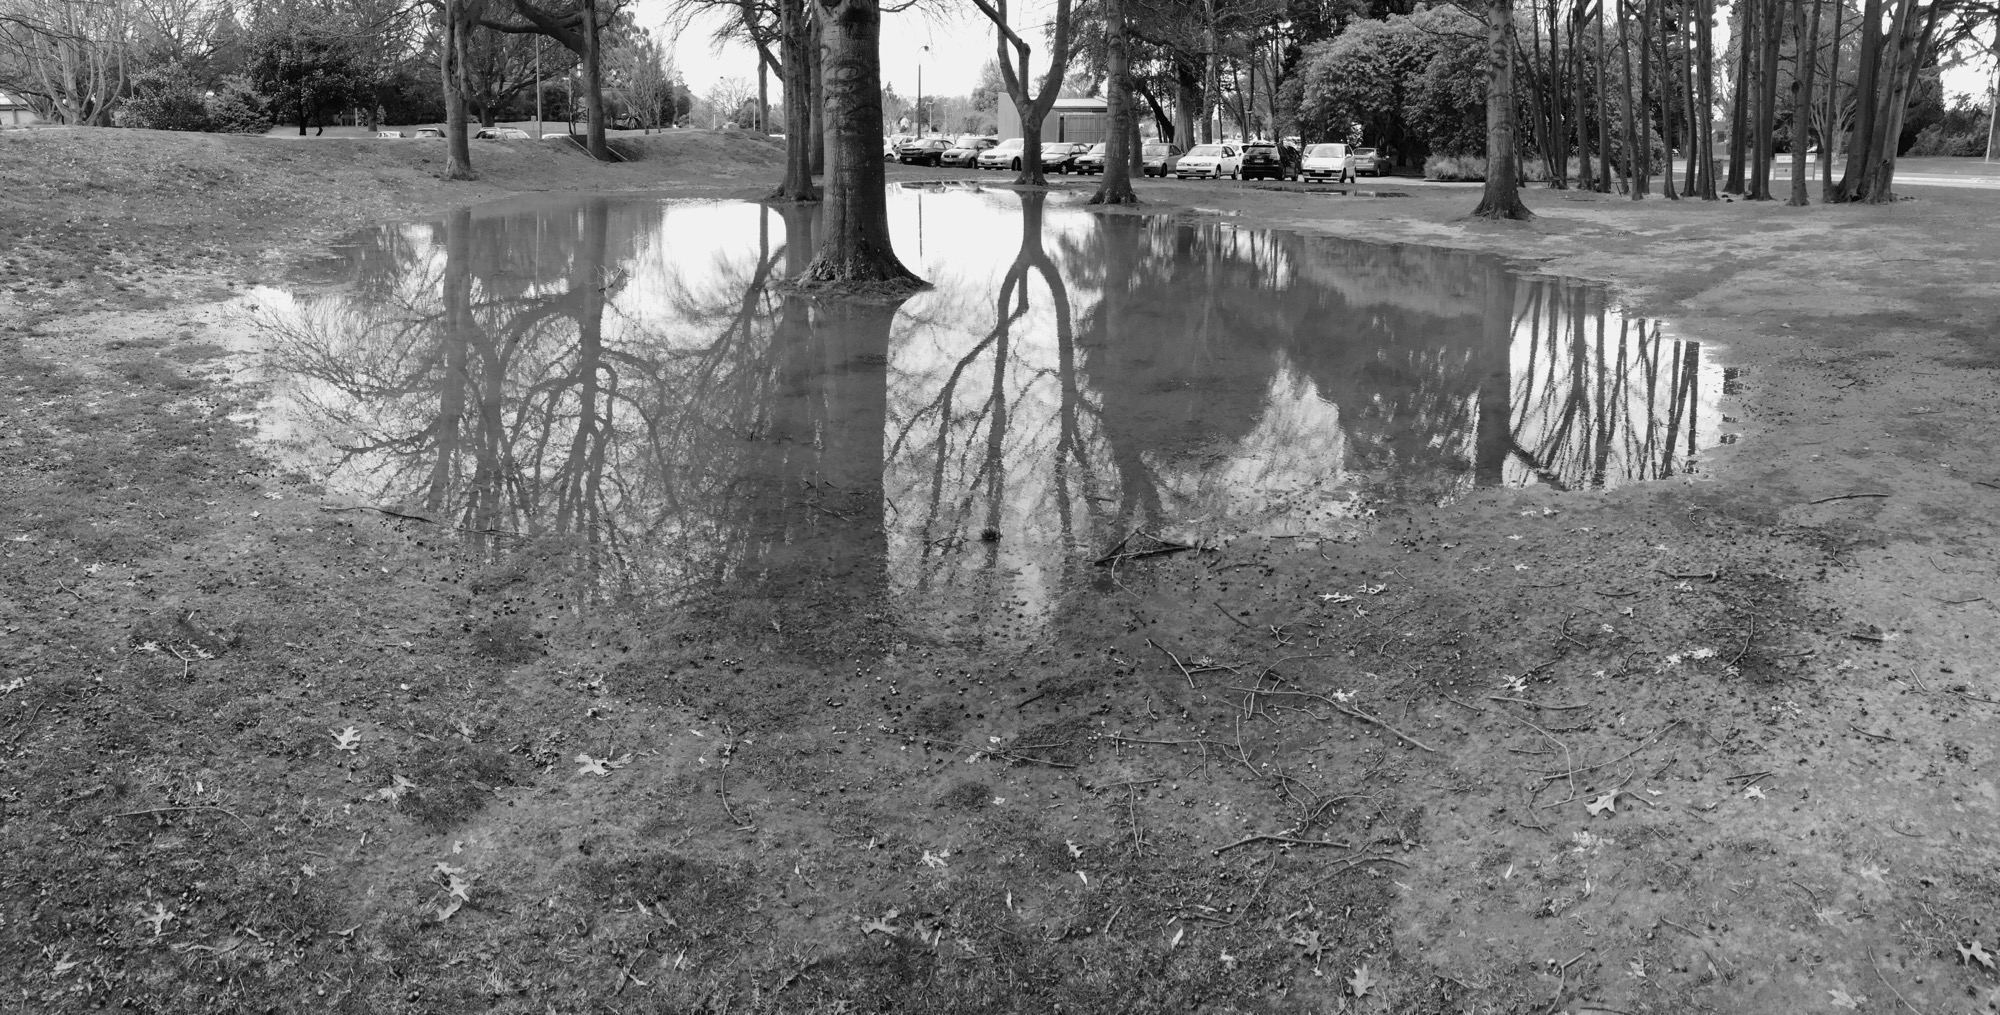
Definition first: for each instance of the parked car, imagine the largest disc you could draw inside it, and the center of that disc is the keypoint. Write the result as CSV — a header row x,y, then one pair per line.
x,y
429,132
965,150
891,143
1370,161
388,133
1060,156
1091,161
1214,161
1324,162
1264,160
924,151
503,134
1159,159
1005,155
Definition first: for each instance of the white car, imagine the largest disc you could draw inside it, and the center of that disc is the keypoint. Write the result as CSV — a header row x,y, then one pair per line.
x,y
1323,162
1211,160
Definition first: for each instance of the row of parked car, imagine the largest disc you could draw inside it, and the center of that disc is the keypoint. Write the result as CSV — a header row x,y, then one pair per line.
x,y
1247,160
484,134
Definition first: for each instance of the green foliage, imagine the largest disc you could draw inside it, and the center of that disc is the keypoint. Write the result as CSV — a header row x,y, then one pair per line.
x,y
1414,83
306,71
1961,132
167,98
236,109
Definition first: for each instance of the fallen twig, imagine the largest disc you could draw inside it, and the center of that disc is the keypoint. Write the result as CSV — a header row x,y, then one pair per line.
x,y
71,591
1176,659
1712,574
995,752
1277,837
722,782
1872,736
1365,717
190,807
1891,986
1974,697
1535,704
1233,618
1846,496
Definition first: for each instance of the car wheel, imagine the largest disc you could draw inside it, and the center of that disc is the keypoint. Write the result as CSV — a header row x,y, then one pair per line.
x,y
1017,165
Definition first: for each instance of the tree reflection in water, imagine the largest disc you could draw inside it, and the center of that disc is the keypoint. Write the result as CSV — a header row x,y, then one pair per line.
x,y
620,375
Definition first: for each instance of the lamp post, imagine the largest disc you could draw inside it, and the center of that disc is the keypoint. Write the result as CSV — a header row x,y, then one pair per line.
x,y
921,118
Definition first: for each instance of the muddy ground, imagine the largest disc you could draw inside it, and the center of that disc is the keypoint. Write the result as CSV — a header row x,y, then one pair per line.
x,y
1715,744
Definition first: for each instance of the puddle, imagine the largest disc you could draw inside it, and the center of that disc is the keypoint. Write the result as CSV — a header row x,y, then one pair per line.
x,y
617,371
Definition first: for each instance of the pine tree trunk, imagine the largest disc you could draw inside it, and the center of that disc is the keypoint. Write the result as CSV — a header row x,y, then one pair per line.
x,y
1644,156
1706,47
795,69
1685,95
1116,187
1669,84
1586,176
854,249
1739,105
1604,184
1188,96
1771,38
451,69
1830,130
1860,152
1631,166
1501,198
1807,48
1211,93
816,81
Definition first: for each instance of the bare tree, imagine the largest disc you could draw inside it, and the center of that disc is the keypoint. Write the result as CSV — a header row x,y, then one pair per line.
x,y
70,59
577,25
725,97
1014,73
457,20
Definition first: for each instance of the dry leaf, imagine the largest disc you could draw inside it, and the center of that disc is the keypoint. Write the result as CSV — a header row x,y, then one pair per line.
x,y
1361,982
883,925
1842,999
1874,873
934,860
1972,952
160,915
1753,793
601,766
445,911
1075,851
347,740
393,792
1309,941
1607,802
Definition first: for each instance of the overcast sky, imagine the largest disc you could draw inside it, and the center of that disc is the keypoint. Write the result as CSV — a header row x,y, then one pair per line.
x,y
960,46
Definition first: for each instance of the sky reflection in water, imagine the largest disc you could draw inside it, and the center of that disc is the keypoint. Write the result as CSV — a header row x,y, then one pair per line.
x,y
618,371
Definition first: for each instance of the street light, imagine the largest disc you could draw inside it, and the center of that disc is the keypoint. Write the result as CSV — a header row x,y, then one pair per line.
x,y
920,91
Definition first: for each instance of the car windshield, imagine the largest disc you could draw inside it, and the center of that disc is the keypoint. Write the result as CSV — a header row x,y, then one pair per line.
x,y
1012,142
1364,151
1260,148
1097,149
1327,151
1207,149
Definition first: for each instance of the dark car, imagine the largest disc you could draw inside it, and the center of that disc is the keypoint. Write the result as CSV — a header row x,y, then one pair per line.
x,y
1264,160
1159,159
965,151
928,151
1091,161
1060,156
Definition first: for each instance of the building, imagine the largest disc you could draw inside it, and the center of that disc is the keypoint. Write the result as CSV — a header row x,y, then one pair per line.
x,y
14,112
1083,120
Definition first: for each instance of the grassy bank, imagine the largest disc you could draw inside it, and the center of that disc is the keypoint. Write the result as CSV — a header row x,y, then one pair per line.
x,y
260,751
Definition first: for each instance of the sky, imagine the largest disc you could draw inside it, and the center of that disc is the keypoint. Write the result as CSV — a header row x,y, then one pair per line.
x,y
962,43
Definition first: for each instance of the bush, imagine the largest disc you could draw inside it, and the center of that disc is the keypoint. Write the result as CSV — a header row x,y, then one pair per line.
x,y
168,98
1456,168
1933,140
236,109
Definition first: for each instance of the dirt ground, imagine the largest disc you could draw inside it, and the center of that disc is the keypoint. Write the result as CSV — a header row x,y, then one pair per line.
x,y
1722,744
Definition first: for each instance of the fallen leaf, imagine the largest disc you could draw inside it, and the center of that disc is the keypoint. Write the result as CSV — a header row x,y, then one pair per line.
x,y
1309,941
1361,982
1075,851
601,766
934,860
1753,793
1974,951
64,966
1607,802
1842,999
160,915
1873,873
1829,915
1179,932
445,911
393,792
1228,961
347,740
1636,968
883,924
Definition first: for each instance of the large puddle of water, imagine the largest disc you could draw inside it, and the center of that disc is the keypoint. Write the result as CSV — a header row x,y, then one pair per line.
x,y
622,371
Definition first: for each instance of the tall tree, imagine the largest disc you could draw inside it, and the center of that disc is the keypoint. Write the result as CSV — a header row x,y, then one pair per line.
x,y
1116,187
1807,35
854,247
456,21
305,69
1033,107
576,25
1501,198
795,37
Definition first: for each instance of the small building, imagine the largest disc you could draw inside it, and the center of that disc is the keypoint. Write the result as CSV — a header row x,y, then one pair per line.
x,y
14,112
1083,120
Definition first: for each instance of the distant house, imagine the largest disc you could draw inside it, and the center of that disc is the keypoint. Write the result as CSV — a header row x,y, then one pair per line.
x,y
14,112
1083,120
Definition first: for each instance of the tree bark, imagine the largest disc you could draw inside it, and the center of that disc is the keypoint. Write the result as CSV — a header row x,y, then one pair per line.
x,y
1116,187
1739,106
795,69
1603,112
854,248
1767,98
1211,91
1631,166
1830,130
1706,47
1501,198
1669,84
1586,176
1859,150
1644,156
1913,45
816,145
1188,96
1807,48
451,69
1014,75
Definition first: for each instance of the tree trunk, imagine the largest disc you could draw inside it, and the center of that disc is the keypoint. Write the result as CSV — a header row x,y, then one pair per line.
x,y
1859,152
1767,100
854,245
1706,47
1807,48
1187,97
1625,102
1830,130
1211,92
1685,95
1910,51
451,71
1586,176
1644,156
1603,112
1669,84
1739,106
593,83
1501,198
816,144
795,69
763,97
1116,187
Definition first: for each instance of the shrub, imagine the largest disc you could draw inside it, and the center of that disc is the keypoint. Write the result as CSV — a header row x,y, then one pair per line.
x,y
168,98
1933,140
1456,168
236,109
